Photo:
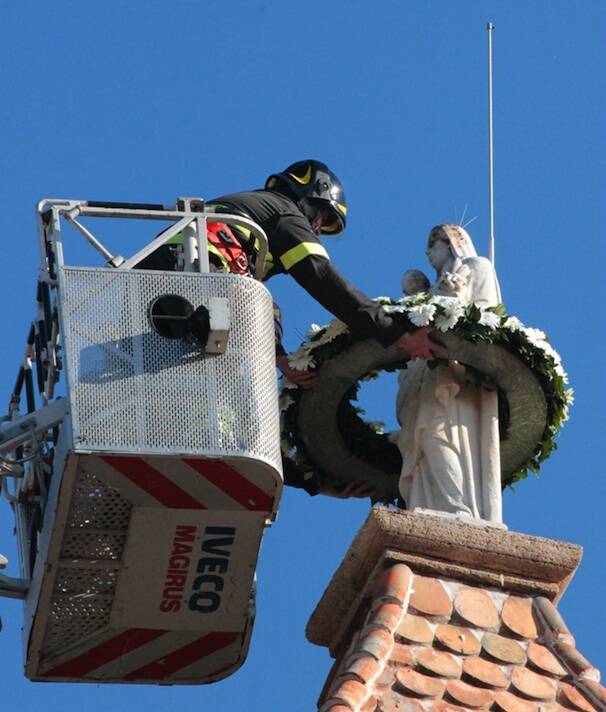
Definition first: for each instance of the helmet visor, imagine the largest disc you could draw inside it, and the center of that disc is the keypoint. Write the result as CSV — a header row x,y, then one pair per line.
x,y
332,222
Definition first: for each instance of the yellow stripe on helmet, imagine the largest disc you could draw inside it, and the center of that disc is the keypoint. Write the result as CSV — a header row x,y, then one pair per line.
x,y
304,180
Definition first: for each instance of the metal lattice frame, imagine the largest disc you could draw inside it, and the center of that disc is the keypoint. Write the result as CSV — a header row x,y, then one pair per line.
x,y
29,434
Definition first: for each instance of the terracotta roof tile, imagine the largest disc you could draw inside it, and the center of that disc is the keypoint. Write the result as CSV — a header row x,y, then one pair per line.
x,y
553,619
508,702
485,673
401,655
421,685
348,693
518,616
575,661
393,702
468,695
532,685
570,697
385,679
438,663
369,706
394,584
477,608
543,660
415,629
364,668
430,597
443,706
597,690
377,642
387,615
458,639
485,650
505,650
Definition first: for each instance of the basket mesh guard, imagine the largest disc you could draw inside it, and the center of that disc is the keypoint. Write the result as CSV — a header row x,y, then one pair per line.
x,y
132,390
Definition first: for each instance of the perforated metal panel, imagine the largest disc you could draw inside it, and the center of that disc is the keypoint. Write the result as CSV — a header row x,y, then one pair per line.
x,y
132,390
96,505
95,531
72,618
86,582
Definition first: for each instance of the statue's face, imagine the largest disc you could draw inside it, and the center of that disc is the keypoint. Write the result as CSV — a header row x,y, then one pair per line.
x,y
438,253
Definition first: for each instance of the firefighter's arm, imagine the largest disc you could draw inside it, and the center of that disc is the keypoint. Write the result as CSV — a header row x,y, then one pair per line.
x,y
363,316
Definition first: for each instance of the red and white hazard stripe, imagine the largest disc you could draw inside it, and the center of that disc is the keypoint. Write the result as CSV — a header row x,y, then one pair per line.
x,y
187,483
146,655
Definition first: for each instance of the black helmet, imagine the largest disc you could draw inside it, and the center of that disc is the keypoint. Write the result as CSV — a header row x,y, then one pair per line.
x,y
317,184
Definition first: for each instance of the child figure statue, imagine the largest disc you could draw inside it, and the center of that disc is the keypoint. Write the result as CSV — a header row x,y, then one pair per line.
x,y
415,281
449,439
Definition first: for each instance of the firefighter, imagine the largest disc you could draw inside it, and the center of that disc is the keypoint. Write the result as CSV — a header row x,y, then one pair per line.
x,y
295,207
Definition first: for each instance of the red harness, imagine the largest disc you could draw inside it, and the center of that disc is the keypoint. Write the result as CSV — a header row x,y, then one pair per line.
x,y
225,242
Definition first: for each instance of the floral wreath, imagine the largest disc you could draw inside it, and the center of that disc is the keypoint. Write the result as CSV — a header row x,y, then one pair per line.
x,y
470,323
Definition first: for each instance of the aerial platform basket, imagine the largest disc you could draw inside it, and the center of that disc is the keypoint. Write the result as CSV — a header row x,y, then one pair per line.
x,y
141,496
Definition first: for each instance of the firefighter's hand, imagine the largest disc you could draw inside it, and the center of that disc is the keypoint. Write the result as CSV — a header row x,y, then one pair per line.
x,y
304,379
353,489
418,344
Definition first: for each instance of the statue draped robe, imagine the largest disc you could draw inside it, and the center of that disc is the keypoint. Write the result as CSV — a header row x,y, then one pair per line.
x,y
449,438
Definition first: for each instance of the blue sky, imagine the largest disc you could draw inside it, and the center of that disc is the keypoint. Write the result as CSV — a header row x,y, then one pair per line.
x,y
150,100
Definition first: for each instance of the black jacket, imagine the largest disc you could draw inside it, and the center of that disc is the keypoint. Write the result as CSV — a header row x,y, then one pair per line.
x,y
294,249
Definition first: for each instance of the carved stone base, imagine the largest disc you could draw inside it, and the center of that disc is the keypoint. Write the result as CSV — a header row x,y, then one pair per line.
x,y
447,547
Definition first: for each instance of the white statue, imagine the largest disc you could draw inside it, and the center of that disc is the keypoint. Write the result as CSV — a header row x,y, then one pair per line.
x,y
449,438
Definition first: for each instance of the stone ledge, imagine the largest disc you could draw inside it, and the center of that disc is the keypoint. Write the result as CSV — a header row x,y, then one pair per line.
x,y
468,552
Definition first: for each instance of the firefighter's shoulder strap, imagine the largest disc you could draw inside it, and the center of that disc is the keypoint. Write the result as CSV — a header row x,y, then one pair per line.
x,y
224,244
228,250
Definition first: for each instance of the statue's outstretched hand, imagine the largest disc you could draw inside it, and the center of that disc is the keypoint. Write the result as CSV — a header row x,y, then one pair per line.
x,y
304,379
418,344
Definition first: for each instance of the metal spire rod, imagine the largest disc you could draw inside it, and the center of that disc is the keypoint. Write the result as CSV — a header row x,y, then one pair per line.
x,y
491,256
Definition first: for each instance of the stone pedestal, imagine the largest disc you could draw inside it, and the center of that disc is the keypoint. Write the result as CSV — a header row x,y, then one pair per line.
x,y
427,612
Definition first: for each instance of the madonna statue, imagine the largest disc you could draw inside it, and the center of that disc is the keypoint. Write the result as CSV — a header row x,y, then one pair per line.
x,y
449,437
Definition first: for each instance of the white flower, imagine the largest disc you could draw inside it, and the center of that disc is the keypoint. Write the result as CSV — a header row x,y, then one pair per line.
x,y
421,314
284,402
301,360
561,372
395,308
382,300
313,330
490,319
548,349
445,322
513,323
441,299
414,299
377,425
287,450
452,310
535,336
286,384
334,329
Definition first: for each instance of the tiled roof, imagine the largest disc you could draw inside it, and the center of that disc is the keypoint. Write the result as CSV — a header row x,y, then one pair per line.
x,y
433,643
